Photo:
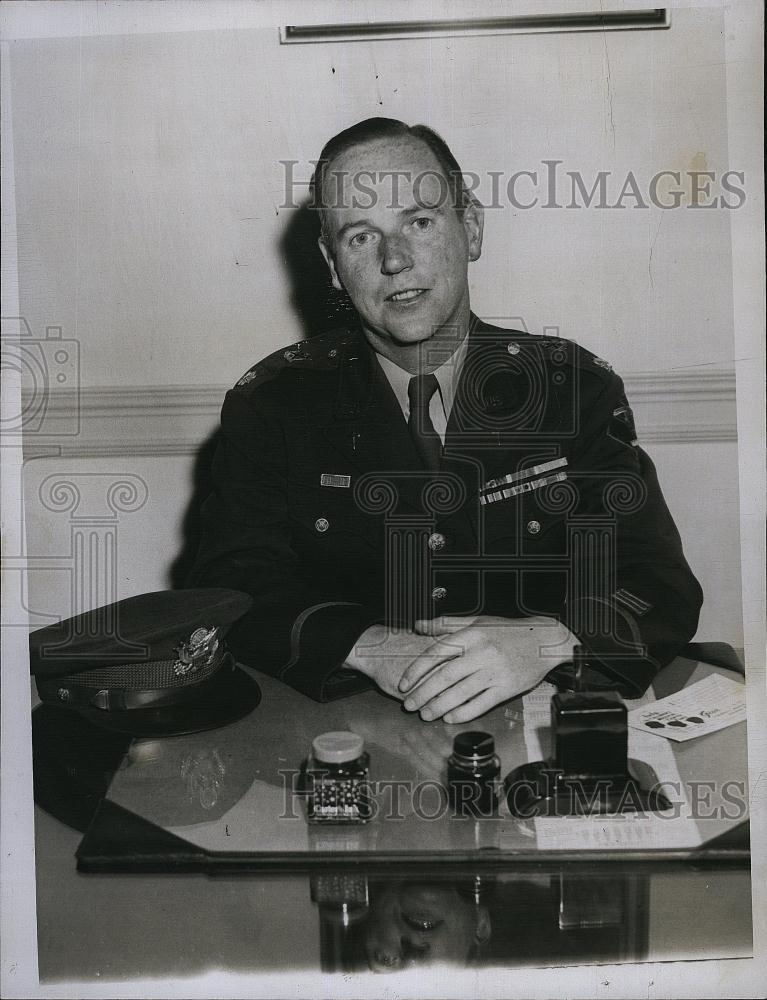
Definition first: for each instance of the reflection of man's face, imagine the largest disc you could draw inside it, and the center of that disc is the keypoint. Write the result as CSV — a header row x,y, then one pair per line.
x,y
402,251
423,923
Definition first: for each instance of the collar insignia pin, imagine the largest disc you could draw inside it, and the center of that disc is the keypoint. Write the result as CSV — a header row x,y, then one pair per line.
x,y
603,364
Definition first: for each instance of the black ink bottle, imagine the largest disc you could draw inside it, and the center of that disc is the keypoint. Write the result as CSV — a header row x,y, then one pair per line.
x,y
473,773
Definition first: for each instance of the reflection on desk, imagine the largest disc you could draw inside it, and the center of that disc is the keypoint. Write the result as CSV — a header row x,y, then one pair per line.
x,y
558,918
385,896
232,797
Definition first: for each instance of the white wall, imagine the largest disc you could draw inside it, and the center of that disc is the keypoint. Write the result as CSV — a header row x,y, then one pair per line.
x,y
148,184
148,187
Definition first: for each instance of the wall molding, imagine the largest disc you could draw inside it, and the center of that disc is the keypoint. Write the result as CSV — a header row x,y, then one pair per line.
x,y
685,406
515,24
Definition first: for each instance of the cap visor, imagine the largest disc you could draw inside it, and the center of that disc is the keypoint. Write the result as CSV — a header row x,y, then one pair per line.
x,y
233,695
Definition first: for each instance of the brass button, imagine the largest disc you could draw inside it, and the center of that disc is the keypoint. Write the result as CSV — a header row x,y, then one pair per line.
x,y
63,694
322,524
439,594
437,542
332,353
533,527
512,348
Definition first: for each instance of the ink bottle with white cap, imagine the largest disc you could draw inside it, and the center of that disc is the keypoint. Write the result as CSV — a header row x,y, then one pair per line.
x,y
338,779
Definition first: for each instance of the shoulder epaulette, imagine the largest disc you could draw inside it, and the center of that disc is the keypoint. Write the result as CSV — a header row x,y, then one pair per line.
x,y
561,350
319,353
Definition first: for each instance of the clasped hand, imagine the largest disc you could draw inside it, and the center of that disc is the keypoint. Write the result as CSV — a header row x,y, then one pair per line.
x,y
459,668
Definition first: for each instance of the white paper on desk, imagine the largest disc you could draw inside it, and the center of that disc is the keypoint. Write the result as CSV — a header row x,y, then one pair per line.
x,y
705,707
625,832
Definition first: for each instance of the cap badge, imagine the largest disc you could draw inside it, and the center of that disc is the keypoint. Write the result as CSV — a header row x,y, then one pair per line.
x,y
197,652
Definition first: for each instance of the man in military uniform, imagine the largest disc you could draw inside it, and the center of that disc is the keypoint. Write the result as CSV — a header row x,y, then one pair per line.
x,y
428,501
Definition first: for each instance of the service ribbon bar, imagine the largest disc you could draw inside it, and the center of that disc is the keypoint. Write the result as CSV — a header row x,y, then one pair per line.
x,y
332,479
534,470
528,487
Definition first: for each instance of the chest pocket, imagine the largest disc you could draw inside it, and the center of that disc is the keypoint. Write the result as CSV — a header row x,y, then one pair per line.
x,y
524,524
330,515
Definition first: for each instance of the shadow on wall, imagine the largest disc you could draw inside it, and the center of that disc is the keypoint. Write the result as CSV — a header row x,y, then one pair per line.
x,y
319,307
202,486
317,304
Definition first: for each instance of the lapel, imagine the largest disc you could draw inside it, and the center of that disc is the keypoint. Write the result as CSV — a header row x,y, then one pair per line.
x,y
484,395
367,425
486,390
501,398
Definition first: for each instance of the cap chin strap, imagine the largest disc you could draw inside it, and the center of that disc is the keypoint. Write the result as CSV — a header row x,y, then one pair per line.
x,y
121,700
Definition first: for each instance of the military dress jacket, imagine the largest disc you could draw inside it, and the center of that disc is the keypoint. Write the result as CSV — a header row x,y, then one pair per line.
x,y
544,504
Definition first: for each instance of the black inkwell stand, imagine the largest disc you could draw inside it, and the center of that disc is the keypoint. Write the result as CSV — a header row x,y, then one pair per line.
x,y
589,771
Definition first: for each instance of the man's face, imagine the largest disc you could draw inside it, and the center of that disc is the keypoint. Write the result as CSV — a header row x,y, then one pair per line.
x,y
396,244
421,923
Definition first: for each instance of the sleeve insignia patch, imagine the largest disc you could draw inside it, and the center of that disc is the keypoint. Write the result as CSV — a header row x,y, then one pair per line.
x,y
622,423
632,602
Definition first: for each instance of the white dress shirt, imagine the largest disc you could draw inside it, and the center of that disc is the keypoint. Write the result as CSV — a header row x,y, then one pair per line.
x,y
447,379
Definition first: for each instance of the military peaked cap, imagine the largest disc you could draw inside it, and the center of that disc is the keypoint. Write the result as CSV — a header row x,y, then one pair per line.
x,y
155,664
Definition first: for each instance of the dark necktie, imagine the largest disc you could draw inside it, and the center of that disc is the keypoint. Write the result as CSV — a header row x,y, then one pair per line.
x,y
426,440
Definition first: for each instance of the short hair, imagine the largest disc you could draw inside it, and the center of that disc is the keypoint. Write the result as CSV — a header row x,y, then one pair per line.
x,y
370,130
